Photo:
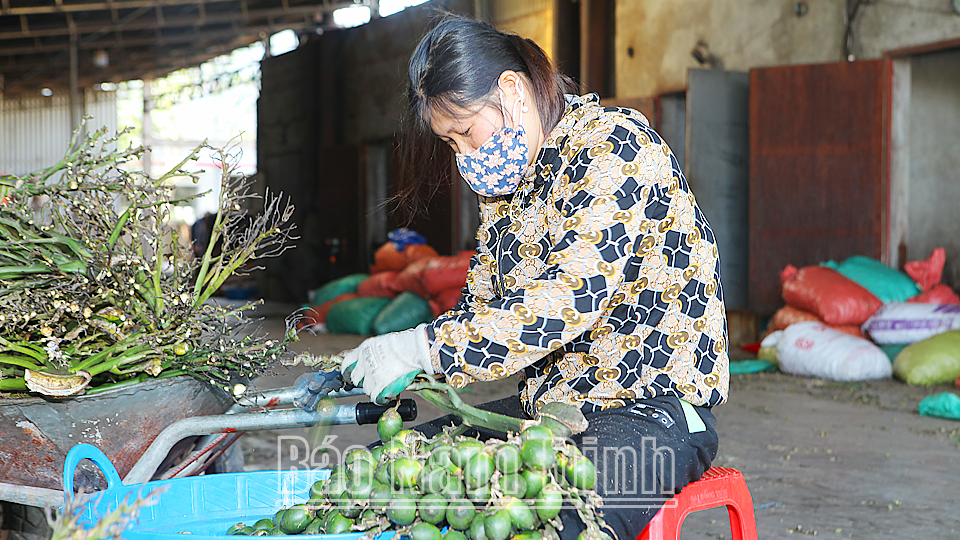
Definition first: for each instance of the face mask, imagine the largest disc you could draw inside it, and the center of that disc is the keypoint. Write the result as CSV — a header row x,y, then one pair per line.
x,y
497,166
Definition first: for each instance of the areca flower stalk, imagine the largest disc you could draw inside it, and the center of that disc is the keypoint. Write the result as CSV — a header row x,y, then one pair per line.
x,y
97,288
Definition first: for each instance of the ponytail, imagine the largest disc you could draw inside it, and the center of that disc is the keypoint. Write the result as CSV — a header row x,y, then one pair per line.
x,y
548,85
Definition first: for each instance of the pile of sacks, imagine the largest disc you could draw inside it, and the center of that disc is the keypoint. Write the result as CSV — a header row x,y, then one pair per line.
x,y
408,284
847,321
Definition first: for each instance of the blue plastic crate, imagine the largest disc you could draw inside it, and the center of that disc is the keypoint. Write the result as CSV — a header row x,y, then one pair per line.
x,y
200,507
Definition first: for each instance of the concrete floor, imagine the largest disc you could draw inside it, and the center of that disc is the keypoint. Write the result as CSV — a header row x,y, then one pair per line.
x,y
826,459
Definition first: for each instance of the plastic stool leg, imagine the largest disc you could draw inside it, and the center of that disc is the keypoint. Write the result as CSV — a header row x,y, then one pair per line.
x,y
743,524
736,523
709,492
654,529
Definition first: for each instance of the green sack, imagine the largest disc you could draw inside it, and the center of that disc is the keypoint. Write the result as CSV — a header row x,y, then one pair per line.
x,y
945,405
884,282
743,367
405,311
893,349
934,360
355,316
344,285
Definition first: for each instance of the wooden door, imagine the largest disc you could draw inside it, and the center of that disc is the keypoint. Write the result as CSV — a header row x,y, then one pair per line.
x,y
818,168
716,168
334,230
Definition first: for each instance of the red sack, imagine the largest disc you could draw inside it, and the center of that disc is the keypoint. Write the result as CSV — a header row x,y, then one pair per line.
x,y
788,315
829,295
445,301
927,273
318,314
389,258
445,273
851,329
415,252
378,285
938,294
409,278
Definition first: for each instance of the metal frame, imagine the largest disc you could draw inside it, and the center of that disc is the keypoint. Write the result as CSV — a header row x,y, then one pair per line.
x,y
249,414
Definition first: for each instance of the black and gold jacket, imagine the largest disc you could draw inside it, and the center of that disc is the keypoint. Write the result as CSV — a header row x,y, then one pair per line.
x,y
598,280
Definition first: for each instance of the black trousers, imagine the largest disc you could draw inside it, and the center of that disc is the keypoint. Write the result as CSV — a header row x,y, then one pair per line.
x,y
644,454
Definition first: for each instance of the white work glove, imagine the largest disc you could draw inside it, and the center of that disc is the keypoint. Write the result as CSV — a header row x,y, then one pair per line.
x,y
385,365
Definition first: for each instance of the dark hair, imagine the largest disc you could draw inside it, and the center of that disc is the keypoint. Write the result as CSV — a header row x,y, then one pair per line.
x,y
457,64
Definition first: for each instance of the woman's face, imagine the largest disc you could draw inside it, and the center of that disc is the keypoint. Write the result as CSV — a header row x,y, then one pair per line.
x,y
466,129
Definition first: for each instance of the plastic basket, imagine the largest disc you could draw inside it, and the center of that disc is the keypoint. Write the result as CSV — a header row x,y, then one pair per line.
x,y
201,507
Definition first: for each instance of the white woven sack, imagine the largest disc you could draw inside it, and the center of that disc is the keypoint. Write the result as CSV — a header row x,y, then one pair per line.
x,y
814,349
907,322
772,339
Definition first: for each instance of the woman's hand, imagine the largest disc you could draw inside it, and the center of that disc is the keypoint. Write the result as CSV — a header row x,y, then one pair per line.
x,y
385,365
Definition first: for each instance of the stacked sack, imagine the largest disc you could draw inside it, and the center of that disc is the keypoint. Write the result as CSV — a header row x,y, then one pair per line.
x,y
438,279
846,321
408,284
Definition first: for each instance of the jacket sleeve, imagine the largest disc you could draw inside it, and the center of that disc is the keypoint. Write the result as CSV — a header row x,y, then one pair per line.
x,y
476,290
606,191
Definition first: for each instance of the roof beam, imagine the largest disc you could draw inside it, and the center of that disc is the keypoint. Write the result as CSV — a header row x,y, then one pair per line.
x,y
34,47
169,22
160,41
94,6
148,67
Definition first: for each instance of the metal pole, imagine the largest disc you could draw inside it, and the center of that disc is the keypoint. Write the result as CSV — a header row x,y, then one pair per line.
x,y
75,98
146,466
147,126
279,398
30,496
481,10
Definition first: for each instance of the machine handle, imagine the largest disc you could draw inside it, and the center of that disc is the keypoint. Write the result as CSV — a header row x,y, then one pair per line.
x,y
369,413
87,451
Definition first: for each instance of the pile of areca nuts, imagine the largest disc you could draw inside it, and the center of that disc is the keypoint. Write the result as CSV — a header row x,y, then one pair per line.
x,y
450,487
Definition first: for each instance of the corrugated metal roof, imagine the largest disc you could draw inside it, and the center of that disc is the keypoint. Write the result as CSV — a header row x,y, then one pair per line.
x,y
137,38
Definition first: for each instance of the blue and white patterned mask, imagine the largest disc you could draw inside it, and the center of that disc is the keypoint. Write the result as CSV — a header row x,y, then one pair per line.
x,y
497,167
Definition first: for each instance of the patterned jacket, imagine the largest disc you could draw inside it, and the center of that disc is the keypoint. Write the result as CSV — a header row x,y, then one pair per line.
x,y
598,280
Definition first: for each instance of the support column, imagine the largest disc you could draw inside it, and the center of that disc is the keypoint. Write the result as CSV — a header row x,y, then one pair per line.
x,y
76,100
147,125
481,10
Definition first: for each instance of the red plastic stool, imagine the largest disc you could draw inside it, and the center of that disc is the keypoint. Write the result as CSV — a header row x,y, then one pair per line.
x,y
718,487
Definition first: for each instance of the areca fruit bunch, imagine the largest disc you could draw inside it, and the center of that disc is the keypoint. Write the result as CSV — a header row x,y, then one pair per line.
x,y
98,289
452,487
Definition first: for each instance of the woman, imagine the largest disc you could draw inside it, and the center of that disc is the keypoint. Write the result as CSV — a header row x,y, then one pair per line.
x,y
596,277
